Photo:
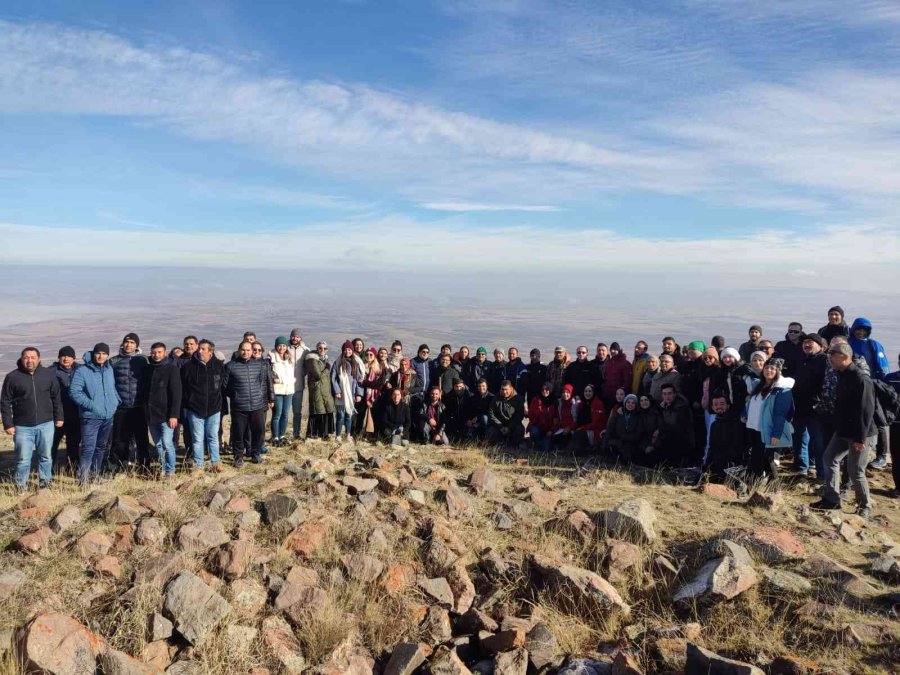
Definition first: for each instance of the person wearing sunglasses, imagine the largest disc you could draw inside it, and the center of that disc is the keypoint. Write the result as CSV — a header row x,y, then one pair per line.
x,y
321,399
791,349
421,364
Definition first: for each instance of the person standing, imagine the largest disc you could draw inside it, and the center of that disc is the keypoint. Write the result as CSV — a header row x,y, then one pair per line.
x,y
836,326
31,407
284,382
768,418
64,369
346,376
321,399
534,377
854,432
299,352
616,374
161,398
747,348
873,352
129,424
556,370
809,445
249,386
639,366
790,350
201,385
94,391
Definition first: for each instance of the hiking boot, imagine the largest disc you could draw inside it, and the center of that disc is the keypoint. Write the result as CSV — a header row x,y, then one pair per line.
x,y
878,464
238,462
825,505
256,459
864,511
45,485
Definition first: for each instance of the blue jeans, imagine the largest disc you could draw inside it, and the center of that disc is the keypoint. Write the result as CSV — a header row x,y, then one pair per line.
x,y
813,431
204,430
280,414
297,408
539,439
26,440
344,419
164,438
802,443
94,438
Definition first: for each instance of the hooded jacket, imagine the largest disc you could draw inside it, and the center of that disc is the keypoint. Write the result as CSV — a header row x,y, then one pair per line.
x,y
514,370
475,371
541,413
808,386
777,413
285,371
507,412
64,377
29,399
201,386
318,379
93,390
160,391
128,370
616,375
422,367
248,384
871,350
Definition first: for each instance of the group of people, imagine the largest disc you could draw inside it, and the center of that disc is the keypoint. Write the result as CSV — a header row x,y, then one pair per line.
x,y
826,399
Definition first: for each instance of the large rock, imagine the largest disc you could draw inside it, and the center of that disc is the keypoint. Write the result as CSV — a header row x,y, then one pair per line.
x,y
357,485
58,644
194,607
156,571
483,480
583,586
123,509
438,590
624,561
119,663
92,544
721,578
445,661
10,581
576,525
158,501
234,558
279,638
458,503
462,587
34,540
632,520
282,509
514,662
820,565
150,532
308,537
772,544
783,581
68,517
362,567
406,657
202,534
542,647
703,662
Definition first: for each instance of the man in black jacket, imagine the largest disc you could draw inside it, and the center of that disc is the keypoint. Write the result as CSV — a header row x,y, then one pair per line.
x,y
129,424
63,369
479,409
30,407
791,349
854,432
456,402
161,398
250,388
747,348
201,384
396,420
430,418
533,378
505,417
809,444
581,372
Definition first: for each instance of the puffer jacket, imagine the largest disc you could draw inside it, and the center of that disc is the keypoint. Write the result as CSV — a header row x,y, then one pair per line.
x,y
93,390
129,372
284,370
777,413
248,384
541,412
871,350
318,380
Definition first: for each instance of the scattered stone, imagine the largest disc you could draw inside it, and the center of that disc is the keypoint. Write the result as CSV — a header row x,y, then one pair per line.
x,y
438,590
239,504
123,538
542,647
10,581
503,641
849,533
437,625
248,520
357,485
282,483
586,667
308,537
670,652
367,501
703,662
248,597
157,501
202,534
282,509
158,654
773,545
886,566
632,520
93,543
462,587
150,532
786,582
241,638
68,516
474,621
793,665
160,627
576,525
414,497
398,577
298,601
624,561
445,661
94,592
626,664
362,567
664,569
483,481
406,657
583,585
124,509
457,502
544,499
377,539
773,502
194,607
58,644
279,638
33,541
108,566
501,521
862,634
721,578
820,565
159,569
348,658
511,663
234,558
718,491
388,483
119,663
218,500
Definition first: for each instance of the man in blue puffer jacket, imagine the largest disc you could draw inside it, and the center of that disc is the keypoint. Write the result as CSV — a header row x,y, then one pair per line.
x,y
130,422
93,390
248,385
873,352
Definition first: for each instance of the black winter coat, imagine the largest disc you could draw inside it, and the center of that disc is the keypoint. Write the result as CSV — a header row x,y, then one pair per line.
x,y
531,380
580,374
160,391
808,383
64,377
854,405
201,386
29,399
395,416
248,384
128,369
457,405
792,354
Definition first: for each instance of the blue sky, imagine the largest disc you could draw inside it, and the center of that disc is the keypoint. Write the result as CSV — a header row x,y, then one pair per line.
x,y
510,131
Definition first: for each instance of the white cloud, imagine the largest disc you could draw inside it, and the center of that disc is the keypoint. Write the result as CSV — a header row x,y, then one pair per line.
x,y
464,207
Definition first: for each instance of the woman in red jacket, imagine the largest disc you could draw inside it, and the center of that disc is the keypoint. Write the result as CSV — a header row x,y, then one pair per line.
x,y
542,418
616,374
566,420
592,420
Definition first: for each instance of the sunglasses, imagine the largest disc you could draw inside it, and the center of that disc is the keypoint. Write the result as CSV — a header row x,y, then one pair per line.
x,y
794,332
397,350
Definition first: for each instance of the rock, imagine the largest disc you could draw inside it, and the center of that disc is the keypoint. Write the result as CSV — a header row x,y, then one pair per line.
x,y
511,622
576,525
356,485
158,501
150,532
670,652
304,576
542,647
501,521
202,534
445,661
367,502
248,597
194,607
886,566
792,665
308,537
158,654
282,483
92,544
282,509
388,483
248,520
457,502
10,581
93,592
624,561
406,657
859,589
34,540
586,667
362,567
438,590
68,516
632,520
820,565
664,569
241,638
773,545
119,663
108,566
159,569
718,491
462,587
720,578
124,509
58,644
123,538
218,500
160,627
279,638
703,662
239,504
626,664
503,641
398,577
483,481
785,582
438,556
511,663
773,502
437,625
348,658
583,585
186,667
233,559
414,497
544,499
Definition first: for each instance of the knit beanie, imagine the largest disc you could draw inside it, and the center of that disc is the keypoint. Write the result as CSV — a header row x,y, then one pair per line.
x,y
66,351
481,350
697,345
132,336
569,388
347,345
755,327
711,351
101,347
732,352
837,308
615,345
815,337
281,340
295,332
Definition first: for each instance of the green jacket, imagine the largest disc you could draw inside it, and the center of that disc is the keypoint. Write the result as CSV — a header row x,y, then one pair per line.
x,y
318,380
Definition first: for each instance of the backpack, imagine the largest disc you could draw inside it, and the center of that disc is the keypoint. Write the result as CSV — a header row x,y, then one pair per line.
x,y
888,400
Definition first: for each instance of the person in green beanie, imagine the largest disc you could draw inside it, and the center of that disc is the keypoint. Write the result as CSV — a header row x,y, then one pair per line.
x,y
284,383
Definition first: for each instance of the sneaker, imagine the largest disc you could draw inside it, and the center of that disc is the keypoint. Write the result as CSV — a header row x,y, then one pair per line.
x,y
825,505
264,450
256,459
45,485
864,511
238,462
878,464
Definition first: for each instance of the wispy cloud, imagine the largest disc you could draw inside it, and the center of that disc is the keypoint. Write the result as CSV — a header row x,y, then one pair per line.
x,y
114,217
464,207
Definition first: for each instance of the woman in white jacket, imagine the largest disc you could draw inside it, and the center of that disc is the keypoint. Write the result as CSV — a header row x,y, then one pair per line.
x,y
283,368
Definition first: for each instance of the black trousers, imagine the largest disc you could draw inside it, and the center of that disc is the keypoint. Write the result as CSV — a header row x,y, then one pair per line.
x,y
71,431
130,424
762,459
244,423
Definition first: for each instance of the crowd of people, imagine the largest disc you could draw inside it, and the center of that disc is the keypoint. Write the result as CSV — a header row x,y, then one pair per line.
x,y
822,400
